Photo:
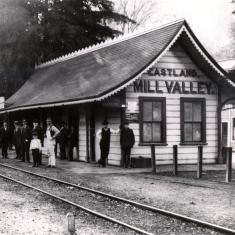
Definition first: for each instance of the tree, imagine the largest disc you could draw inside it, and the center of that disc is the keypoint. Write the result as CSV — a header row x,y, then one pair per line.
x,y
34,31
139,11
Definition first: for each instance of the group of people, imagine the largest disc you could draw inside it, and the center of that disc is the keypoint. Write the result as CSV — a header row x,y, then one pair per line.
x,y
127,141
26,139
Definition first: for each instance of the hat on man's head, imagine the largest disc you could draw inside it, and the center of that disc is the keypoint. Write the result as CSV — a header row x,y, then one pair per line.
x,y
125,122
105,122
35,120
48,119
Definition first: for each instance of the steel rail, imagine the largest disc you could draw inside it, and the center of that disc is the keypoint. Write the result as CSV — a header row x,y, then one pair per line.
x,y
205,224
95,213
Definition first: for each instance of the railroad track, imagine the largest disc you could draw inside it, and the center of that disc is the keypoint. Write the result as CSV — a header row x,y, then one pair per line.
x,y
147,208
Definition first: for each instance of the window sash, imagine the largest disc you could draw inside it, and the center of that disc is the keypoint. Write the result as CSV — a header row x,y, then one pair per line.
x,y
197,123
156,123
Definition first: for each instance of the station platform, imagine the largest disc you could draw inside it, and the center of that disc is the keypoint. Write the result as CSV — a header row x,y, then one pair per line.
x,y
79,167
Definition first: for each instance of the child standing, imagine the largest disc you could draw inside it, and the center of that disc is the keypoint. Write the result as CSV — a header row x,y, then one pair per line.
x,y
36,148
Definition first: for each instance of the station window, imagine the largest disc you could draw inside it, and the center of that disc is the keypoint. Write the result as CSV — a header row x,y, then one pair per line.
x,y
152,120
193,121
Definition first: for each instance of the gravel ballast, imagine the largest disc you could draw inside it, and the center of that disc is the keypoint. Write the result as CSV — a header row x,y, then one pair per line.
x,y
157,224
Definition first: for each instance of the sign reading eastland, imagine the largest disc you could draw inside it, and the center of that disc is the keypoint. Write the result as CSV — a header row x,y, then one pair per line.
x,y
173,87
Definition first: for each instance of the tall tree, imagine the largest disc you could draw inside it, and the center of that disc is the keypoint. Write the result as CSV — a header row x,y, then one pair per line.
x,y
34,31
139,11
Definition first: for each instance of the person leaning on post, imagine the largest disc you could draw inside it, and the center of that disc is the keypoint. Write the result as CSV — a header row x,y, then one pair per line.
x,y
5,136
127,141
104,136
51,134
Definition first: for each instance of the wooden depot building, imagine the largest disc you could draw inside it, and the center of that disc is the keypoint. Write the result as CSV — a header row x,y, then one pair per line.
x,y
162,80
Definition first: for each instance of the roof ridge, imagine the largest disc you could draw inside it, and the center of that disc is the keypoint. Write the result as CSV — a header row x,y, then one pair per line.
x,y
106,43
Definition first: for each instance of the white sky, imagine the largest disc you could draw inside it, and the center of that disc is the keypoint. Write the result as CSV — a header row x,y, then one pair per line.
x,y
210,20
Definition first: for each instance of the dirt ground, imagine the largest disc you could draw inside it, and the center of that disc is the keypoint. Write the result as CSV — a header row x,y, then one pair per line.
x,y
212,201
26,212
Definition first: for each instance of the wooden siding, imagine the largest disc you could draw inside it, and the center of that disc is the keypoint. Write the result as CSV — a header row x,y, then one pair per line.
x,y
176,58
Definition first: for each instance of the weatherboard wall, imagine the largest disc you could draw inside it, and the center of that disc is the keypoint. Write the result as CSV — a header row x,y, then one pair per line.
x,y
177,59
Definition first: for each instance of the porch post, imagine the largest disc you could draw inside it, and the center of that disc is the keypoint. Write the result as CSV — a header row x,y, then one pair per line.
x,y
87,110
219,110
92,132
122,117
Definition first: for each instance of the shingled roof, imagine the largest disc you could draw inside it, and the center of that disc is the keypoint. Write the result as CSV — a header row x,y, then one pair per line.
x,y
98,72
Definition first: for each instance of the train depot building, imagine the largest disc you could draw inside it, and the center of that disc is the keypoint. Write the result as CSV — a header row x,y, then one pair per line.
x,y
162,81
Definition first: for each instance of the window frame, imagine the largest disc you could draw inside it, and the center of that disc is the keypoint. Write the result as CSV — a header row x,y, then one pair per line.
x,y
163,122
233,126
184,100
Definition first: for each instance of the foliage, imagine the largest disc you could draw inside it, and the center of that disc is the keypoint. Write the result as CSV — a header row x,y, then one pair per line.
x,y
34,31
140,11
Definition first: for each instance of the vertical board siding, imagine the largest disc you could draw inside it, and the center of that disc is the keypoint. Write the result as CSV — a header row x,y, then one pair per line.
x,y
176,58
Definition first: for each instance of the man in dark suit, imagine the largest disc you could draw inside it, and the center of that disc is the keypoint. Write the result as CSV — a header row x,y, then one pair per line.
x,y
26,137
40,134
5,139
17,140
62,139
127,141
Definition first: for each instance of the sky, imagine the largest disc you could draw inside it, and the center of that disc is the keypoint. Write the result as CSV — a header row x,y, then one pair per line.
x,y
210,20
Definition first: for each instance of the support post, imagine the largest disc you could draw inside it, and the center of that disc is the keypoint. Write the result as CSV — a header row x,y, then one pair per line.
x,y
199,162
228,164
71,223
219,132
153,158
87,134
175,159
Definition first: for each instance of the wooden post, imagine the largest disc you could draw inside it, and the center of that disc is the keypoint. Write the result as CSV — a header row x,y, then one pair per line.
x,y
122,118
219,111
71,223
87,133
175,159
228,164
153,158
199,162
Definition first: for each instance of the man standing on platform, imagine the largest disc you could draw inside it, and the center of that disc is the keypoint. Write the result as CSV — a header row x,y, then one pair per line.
x,y
127,141
26,137
5,139
17,140
37,129
62,139
51,134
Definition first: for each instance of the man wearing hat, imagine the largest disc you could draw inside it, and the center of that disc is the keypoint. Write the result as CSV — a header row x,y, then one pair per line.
x,y
5,139
51,134
37,129
26,137
17,140
104,136
62,139
127,141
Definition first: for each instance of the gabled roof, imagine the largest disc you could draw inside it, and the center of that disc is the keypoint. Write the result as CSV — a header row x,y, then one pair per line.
x,y
100,71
